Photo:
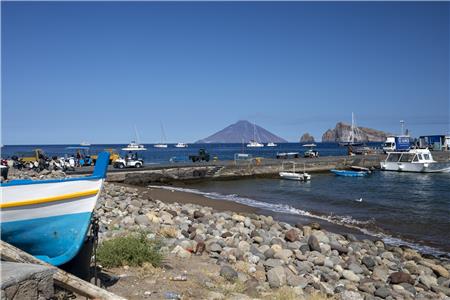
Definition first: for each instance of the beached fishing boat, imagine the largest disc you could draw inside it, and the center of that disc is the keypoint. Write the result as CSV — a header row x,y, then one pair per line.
x,y
414,160
350,173
50,218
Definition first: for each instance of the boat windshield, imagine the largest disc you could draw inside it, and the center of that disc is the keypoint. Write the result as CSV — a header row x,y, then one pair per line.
x,y
426,157
407,157
393,157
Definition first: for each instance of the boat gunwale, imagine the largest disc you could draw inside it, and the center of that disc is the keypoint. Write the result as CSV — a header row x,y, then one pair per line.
x,y
17,182
30,202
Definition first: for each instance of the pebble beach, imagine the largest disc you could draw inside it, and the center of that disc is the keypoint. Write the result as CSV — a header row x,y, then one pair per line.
x,y
227,251
257,249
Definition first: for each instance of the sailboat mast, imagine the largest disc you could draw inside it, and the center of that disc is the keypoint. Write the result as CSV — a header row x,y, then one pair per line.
x,y
136,134
163,135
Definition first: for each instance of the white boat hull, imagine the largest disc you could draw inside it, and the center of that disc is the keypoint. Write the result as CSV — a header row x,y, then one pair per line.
x,y
415,167
294,176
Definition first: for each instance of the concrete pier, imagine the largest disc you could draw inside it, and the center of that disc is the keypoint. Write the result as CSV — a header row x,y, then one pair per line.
x,y
224,170
228,169
26,281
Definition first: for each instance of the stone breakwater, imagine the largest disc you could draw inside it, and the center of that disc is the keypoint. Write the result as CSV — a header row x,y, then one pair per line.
x,y
265,254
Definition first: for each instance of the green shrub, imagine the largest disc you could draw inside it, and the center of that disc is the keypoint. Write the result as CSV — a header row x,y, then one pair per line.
x,y
130,250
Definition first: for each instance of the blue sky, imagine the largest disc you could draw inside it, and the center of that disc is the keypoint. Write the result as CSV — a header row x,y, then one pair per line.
x,y
83,71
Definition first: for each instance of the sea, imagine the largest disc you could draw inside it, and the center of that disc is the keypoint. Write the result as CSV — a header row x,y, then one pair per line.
x,y
411,209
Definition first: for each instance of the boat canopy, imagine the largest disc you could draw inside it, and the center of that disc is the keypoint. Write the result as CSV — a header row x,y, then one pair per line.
x,y
418,156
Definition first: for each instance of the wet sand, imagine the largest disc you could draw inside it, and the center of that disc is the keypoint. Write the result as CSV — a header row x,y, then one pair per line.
x,y
171,196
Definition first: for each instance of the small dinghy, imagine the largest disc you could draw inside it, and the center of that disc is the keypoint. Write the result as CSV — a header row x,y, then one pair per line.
x,y
350,173
293,175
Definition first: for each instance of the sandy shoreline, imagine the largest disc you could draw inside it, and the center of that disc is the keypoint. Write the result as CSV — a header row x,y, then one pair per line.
x,y
172,196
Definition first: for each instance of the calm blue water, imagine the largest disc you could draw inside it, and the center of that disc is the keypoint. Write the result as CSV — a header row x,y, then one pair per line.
x,y
399,207
157,155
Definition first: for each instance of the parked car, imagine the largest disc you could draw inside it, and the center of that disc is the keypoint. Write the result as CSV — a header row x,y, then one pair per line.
x,y
131,160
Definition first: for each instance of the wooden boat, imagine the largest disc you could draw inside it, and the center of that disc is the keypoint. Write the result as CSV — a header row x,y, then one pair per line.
x,y
350,173
50,218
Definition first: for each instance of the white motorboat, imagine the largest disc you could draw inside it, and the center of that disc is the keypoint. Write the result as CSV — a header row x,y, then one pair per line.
x,y
86,144
160,145
254,144
414,160
271,144
181,145
133,146
293,175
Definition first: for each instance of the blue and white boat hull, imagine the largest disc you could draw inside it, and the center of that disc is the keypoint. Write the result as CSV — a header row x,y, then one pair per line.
x,y
349,173
50,218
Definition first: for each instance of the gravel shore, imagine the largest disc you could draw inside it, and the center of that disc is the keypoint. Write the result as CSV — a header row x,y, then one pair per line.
x,y
267,256
228,251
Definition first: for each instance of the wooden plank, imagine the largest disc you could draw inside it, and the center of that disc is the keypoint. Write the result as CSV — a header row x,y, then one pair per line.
x,y
61,278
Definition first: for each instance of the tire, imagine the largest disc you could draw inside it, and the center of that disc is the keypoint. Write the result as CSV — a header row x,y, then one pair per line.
x,y
121,166
138,165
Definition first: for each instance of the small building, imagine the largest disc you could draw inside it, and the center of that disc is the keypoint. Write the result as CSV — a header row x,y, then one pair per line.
x,y
434,142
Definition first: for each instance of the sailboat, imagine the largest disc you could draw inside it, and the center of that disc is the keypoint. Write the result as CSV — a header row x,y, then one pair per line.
x,y
163,139
254,143
134,145
354,138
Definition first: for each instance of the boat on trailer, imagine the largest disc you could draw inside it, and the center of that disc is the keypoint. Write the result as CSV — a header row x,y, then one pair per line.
x,y
50,218
414,160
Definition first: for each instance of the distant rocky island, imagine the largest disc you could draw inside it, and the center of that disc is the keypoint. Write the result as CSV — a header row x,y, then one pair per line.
x,y
342,132
242,131
307,138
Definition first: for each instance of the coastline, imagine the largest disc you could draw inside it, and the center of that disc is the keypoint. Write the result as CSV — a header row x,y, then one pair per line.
x,y
229,250
173,194
184,195
223,251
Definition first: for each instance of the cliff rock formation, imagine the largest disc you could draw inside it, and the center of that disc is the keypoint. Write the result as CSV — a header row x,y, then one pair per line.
x,y
307,138
342,131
